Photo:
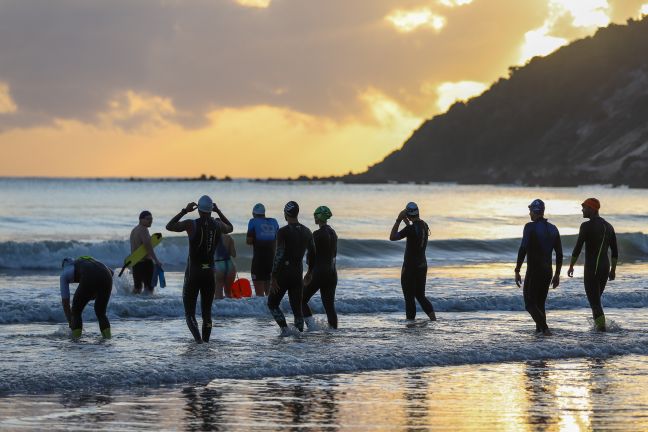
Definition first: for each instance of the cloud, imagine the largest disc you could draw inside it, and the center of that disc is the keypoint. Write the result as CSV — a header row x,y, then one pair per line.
x,y
566,20
408,21
65,59
229,143
454,3
7,105
451,92
644,10
262,4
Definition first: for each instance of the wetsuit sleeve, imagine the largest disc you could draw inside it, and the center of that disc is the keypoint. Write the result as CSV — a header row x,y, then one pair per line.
x,y
281,250
557,246
310,255
613,243
523,247
67,277
405,232
579,244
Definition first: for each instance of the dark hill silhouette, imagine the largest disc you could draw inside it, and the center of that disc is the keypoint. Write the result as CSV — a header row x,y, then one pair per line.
x,y
577,116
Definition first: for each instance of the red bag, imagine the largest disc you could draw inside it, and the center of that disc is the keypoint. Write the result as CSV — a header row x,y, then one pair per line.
x,y
241,288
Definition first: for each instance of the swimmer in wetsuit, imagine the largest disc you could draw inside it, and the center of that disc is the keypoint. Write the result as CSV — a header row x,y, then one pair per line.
x,y
262,235
414,271
598,236
95,283
204,234
539,240
293,240
322,274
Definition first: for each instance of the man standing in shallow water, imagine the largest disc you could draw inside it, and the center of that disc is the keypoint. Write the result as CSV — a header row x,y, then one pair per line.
x,y
204,234
414,272
143,270
598,236
539,240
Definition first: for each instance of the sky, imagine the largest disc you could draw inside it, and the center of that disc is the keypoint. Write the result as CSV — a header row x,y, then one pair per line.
x,y
254,88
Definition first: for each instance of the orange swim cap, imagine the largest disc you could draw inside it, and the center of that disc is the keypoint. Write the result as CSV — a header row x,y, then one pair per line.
x,y
592,203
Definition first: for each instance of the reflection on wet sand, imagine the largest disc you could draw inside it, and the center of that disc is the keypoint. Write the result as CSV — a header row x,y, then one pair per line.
x,y
549,395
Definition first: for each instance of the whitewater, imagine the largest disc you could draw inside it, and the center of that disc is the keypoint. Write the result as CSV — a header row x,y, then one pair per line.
x,y
151,361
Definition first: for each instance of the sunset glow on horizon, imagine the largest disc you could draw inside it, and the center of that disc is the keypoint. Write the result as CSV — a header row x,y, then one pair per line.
x,y
255,88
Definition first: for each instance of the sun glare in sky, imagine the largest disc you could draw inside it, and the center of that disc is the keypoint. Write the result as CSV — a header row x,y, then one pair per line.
x,y
644,10
254,3
408,21
451,92
585,14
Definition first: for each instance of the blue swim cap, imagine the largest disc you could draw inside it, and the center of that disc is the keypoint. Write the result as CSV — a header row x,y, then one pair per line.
x,y
258,209
205,204
411,209
537,206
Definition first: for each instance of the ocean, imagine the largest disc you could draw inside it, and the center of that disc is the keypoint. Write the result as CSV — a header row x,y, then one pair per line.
x,y
479,367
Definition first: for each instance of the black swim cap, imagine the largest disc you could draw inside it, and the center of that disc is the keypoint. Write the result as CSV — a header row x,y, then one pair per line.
x,y
291,209
144,214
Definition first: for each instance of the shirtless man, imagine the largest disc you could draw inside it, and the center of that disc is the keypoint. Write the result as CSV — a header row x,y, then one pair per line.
x,y
143,270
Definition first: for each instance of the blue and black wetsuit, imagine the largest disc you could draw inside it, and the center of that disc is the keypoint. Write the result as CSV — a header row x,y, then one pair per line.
x,y
263,231
414,272
95,283
539,240
293,240
598,236
324,274
199,275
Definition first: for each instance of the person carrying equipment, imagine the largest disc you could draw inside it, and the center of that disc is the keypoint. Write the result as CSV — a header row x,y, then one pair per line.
x,y
293,241
539,239
322,274
95,283
262,235
598,236
204,234
143,271
414,270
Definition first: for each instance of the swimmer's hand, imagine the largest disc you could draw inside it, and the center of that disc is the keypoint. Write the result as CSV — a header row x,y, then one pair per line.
x,y
612,275
518,278
555,281
570,272
191,207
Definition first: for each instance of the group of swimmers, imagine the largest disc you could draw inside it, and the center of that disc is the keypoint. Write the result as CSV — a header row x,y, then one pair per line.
x,y
278,255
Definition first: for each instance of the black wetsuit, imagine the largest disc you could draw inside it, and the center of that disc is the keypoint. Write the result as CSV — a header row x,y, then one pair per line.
x,y
539,240
143,276
414,270
598,235
293,240
199,275
95,283
324,274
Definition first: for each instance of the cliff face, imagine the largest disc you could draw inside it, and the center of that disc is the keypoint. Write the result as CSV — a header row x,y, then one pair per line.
x,y
577,116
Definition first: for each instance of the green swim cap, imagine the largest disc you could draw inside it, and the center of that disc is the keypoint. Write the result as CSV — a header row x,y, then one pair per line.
x,y
323,213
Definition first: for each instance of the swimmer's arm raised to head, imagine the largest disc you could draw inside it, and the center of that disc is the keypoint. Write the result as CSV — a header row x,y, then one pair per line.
x,y
226,225
175,225
394,235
